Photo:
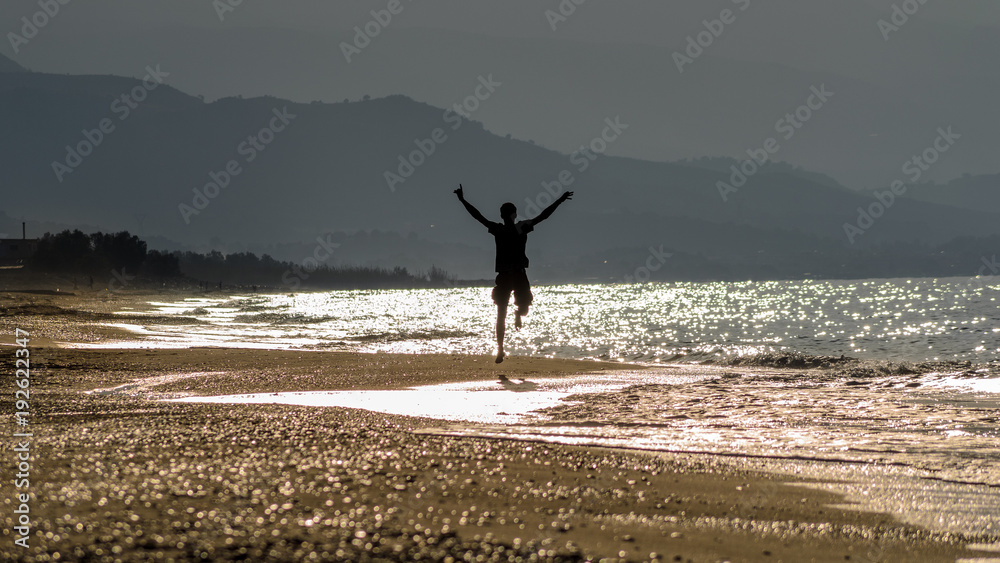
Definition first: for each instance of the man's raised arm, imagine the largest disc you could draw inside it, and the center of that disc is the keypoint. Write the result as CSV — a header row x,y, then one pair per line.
x,y
548,210
470,208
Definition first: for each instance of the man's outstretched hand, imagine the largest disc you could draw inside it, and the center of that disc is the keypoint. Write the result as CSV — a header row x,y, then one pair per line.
x,y
565,196
459,192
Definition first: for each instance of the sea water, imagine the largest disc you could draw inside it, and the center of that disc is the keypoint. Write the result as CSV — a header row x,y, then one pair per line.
x,y
914,320
899,375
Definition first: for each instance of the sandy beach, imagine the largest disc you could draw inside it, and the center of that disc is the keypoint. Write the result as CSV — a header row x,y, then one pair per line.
x,y
123,477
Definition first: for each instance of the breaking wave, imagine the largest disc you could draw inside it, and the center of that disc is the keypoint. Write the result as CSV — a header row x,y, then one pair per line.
x,y
413,335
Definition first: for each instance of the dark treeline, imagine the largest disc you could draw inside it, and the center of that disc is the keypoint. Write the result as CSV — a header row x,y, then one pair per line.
x,y
125,258
100,254
247,269
122,259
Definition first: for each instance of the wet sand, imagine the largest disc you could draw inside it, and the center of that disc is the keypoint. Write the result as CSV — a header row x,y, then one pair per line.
x,y
122,477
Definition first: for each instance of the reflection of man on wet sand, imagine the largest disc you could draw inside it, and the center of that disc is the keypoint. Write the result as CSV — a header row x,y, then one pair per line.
x,y
511,261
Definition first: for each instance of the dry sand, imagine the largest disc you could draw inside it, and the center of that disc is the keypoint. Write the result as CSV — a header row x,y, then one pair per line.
x,y
119,477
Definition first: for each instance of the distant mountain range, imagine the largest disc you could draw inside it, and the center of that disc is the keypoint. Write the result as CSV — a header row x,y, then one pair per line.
x,y
980,193
7,65
114,153
891,91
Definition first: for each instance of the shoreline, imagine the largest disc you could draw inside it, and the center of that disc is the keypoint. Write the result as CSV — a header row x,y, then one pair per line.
x,y
125,477
589,502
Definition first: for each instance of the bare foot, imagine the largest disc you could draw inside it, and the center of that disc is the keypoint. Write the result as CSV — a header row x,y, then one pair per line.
x,y
500,356
517,321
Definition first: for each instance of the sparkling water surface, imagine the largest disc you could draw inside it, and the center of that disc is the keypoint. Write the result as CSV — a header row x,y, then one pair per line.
x,y
921,409
894,409
955,319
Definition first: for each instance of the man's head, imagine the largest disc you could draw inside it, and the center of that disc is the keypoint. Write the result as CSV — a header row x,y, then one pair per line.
x,y
508,210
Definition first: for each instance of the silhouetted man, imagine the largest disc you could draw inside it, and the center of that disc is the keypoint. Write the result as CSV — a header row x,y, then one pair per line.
x,y
511,260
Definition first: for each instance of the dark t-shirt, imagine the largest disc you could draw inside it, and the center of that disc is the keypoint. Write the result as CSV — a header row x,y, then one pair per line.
x,y
510,242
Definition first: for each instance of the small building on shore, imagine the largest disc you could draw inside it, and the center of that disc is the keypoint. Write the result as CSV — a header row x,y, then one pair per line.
x,y
14,251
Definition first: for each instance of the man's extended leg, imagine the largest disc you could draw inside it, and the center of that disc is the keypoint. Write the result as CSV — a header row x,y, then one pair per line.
x,y
522,299
501,327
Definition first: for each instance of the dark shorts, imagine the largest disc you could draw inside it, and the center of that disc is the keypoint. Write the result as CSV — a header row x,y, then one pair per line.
x,y
516,282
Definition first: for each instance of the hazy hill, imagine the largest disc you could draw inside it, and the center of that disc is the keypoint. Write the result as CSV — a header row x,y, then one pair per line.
x,y
558,85
980,193
7,65
324,173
